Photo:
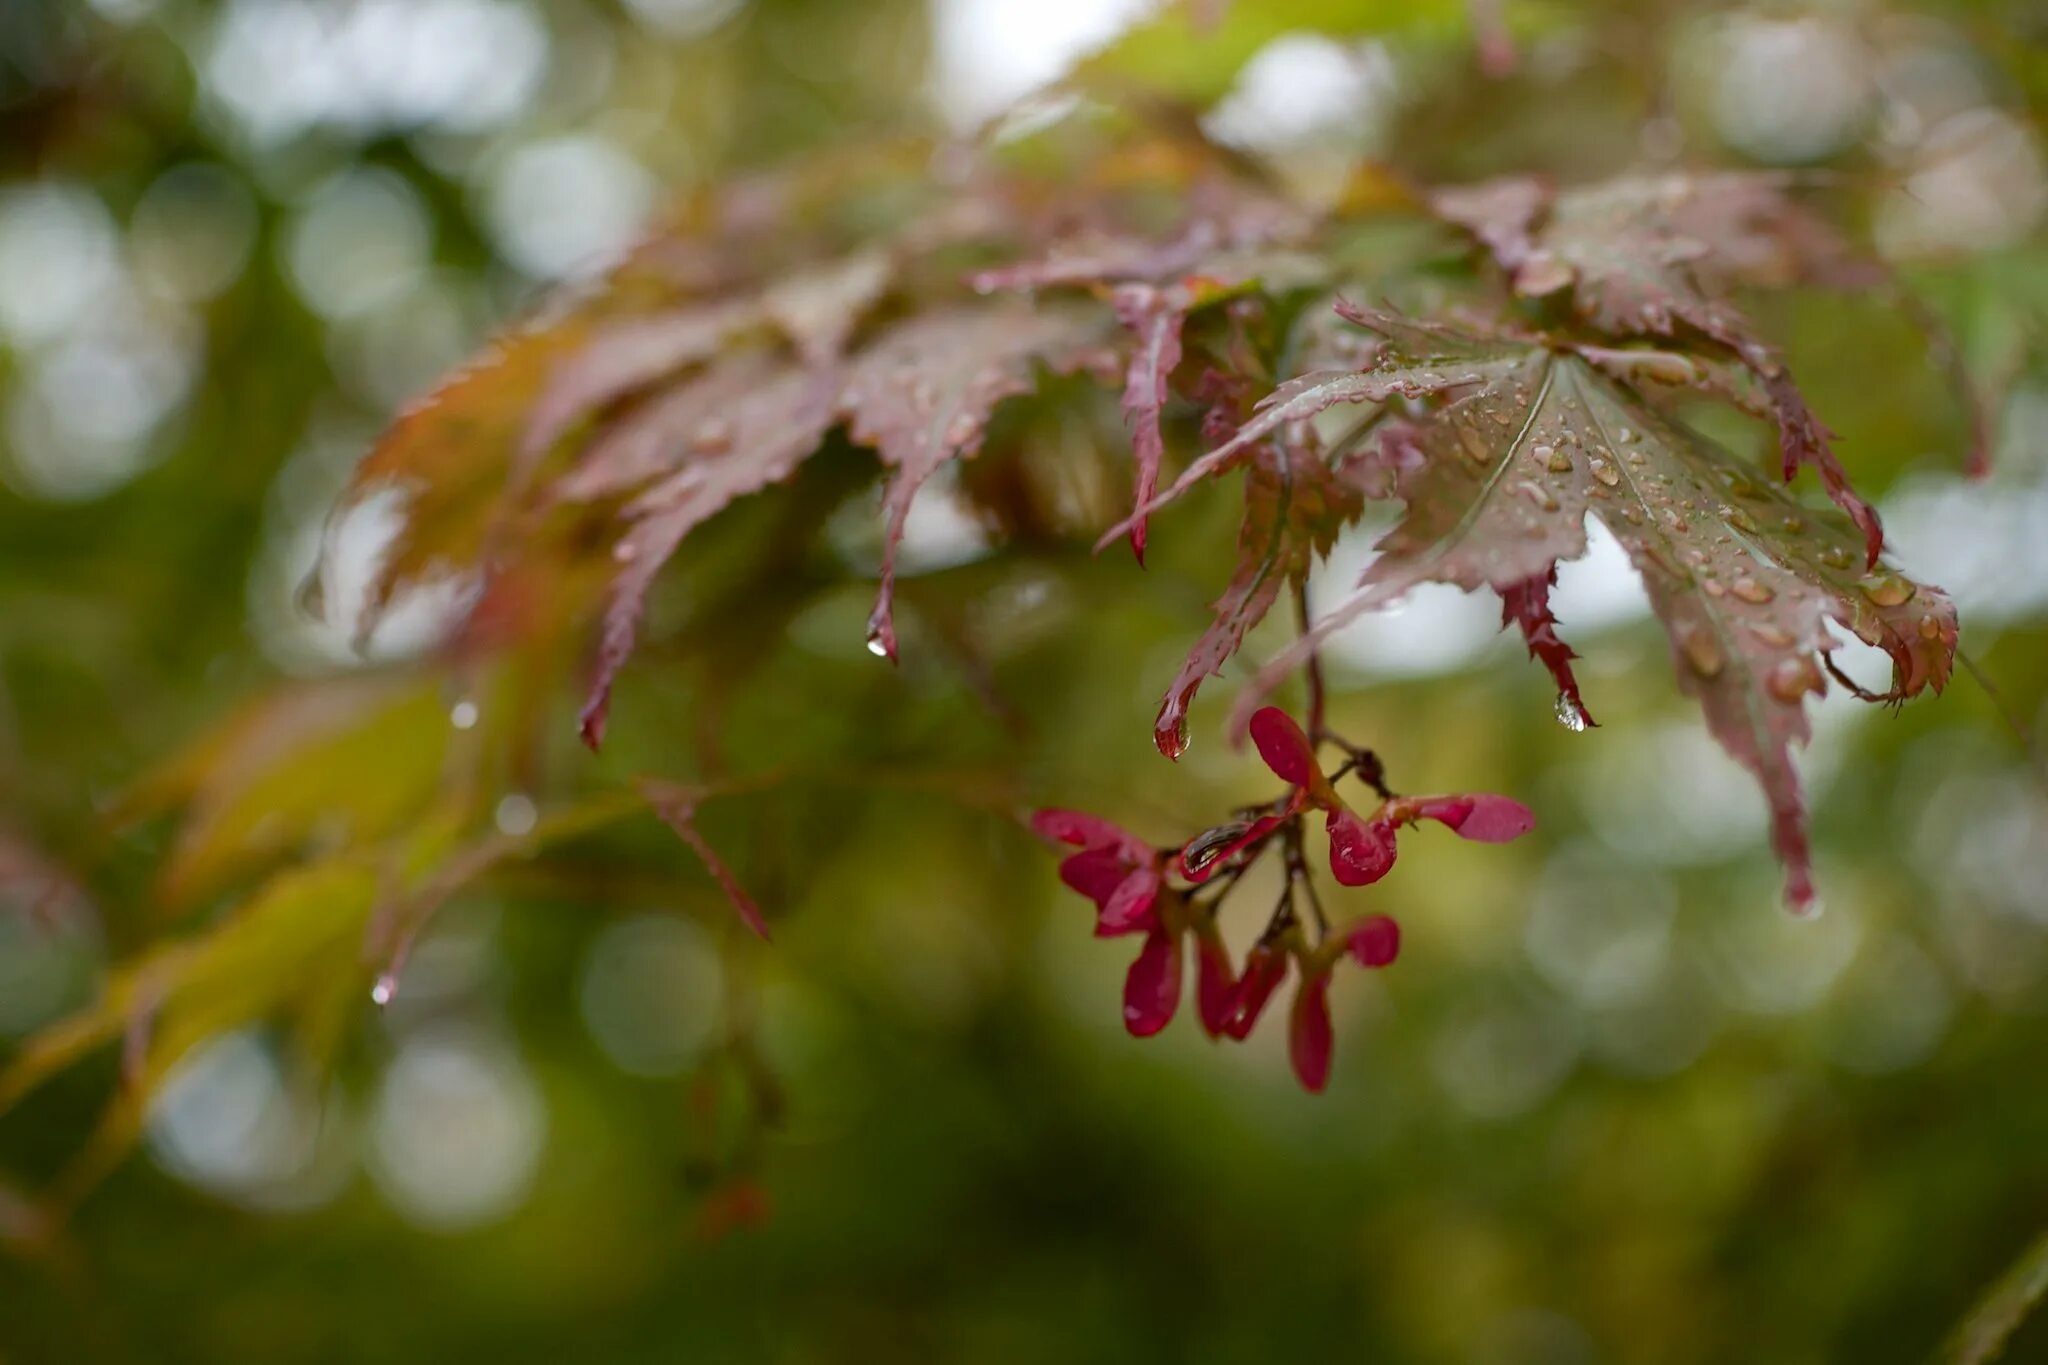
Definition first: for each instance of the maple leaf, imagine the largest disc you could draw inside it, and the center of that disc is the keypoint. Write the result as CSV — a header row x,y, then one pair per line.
x,y
1527,605
1498,479
1642,255
922,393
749,425
1295,505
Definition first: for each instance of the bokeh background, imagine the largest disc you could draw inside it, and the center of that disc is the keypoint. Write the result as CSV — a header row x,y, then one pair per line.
x,y
1612,1106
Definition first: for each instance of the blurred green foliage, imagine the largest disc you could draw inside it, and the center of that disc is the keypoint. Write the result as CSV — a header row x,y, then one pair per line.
x,y
1612,1106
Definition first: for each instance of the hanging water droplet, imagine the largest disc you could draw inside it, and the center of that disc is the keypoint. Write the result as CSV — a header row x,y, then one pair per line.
x,y
463,715
1810,907
1570,714
877,647
1206,847
383,990
1791,679
1702,651
1888,589
625,552
1749,590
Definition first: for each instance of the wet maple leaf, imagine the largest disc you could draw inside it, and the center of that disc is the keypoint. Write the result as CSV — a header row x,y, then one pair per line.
x,y
754,427
923,392
1645,255
1295,506
1527,438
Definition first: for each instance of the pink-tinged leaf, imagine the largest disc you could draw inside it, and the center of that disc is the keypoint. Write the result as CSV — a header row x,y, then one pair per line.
x,y
1284,747
923,392
1215,984
1305,397
678,809
1155,317
1152,988
1310,1039
1375,941
626,357
764,438
1742,575
1527,604
1484,818
1088,831
818,308
1265,967
1361,851
1646,254
1295,506
1131,907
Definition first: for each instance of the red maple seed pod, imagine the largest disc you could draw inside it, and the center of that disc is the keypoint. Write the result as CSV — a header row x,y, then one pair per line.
x,y
1215,984
1265,967
1152,988
1375,941
1310,1039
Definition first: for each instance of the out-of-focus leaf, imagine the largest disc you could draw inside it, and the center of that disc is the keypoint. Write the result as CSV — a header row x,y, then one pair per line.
x,y
1295,506
334,763
1981,1337
1192,53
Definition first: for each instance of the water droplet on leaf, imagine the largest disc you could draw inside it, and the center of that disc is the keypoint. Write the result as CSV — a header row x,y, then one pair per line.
x,y
463,715
1702,651
1570,714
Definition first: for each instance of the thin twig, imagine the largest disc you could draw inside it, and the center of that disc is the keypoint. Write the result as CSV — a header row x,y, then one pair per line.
x,y
1314,666
2020,729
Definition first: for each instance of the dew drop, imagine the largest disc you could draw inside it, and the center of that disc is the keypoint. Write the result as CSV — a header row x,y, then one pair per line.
x,y
463,715
1930,629
1605,471
1702,651
385,988
625,552
1749,590
1559,462
1791,679
1740,520
1773,634
1835,557
960,430
1888,589
1537,494
876,647
1626,436
311,597
1570,714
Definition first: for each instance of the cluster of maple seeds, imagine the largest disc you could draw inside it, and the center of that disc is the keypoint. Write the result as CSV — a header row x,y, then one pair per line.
x,y
1170,894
